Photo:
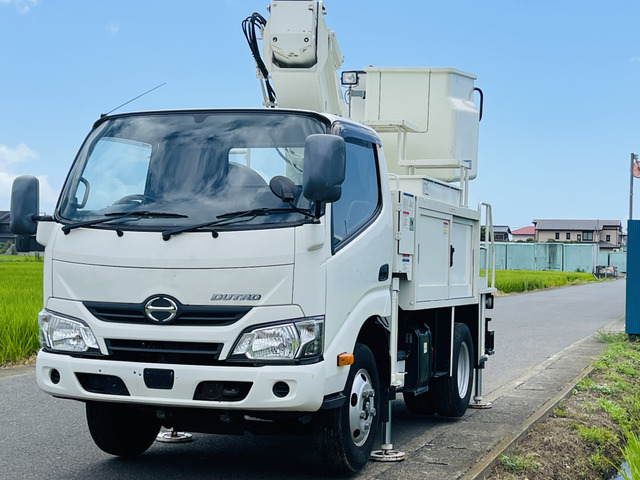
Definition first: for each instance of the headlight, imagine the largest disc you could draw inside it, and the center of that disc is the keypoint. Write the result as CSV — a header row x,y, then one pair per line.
x,y
298,340
64,334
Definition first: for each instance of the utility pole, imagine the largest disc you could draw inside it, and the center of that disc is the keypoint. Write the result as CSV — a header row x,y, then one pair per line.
x,y
634,158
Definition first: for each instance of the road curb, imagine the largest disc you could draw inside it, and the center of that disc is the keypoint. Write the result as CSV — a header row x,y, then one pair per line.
x,y
488,462
485,466
8,372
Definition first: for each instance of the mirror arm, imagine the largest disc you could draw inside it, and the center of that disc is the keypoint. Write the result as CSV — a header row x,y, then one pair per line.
x,y
318,209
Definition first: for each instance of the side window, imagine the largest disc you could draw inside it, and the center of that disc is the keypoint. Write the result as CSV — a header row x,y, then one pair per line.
x,y
360,191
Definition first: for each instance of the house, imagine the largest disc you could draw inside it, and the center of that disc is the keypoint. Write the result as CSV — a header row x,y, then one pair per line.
x,y
501,233
5,232
524,234
606,233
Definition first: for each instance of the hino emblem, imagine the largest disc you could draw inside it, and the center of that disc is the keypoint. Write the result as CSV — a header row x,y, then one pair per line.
x,y
161,309
235,297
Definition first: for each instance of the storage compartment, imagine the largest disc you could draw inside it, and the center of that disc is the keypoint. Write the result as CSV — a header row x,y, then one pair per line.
x,y
437,251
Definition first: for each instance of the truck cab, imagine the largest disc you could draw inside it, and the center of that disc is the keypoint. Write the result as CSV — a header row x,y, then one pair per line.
x,y
191,259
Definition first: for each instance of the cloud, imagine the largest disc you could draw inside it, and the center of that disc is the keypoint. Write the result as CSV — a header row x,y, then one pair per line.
x,y
17,154
10,157
48,195
6,180
113,28
635,59
23,6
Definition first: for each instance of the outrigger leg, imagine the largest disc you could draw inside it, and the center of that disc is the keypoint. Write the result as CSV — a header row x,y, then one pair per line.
x,y
478,402
386,452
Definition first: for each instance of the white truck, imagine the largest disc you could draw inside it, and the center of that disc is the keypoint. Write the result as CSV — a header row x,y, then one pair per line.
x,y
233,270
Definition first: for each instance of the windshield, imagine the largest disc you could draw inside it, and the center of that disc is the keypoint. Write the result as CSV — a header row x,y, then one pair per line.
x,y
188,168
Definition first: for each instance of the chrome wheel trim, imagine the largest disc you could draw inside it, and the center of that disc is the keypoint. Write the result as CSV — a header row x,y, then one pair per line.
x,y
361,407
464,358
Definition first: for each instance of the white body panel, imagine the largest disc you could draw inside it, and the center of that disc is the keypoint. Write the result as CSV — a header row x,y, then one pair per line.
x,y
292,269
306,383
442,265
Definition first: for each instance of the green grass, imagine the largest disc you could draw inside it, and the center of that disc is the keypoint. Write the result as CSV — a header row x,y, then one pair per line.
x,y
595,435
20,302
20,259
520,463
623,360
593,429
512,281
631,453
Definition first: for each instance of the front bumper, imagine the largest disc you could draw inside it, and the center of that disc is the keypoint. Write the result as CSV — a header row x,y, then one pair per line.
x,y
57,374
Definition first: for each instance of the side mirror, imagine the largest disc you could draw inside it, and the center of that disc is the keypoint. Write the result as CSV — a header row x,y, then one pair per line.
x,y
25,205
283,188
324,167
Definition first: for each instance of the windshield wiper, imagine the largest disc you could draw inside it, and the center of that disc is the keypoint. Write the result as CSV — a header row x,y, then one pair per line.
x,y
109,217
245,215
264,211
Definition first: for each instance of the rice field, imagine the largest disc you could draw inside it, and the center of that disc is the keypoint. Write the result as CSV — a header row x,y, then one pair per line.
x,y
512,281
20,302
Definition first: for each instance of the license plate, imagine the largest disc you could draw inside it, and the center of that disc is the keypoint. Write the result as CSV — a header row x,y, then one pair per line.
x,y
159,379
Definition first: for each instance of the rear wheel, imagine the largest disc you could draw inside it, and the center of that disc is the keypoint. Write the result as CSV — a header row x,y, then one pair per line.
x,y
120,429
346,435
453,393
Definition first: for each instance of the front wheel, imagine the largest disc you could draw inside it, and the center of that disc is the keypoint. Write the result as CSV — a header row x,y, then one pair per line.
x,y
345,436
453,393
120,429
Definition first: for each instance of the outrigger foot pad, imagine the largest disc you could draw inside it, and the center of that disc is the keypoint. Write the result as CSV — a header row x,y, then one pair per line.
x,y
387,456
174,437
481,405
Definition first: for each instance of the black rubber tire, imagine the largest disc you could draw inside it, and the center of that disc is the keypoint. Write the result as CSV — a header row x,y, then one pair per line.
x,y
452,394
120,429
422,404
344,446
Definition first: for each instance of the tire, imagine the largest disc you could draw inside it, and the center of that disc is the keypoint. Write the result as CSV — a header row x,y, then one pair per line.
x,y
120,429
345,436
452,394
422,404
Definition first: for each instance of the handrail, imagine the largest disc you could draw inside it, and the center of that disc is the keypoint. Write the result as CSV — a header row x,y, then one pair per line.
x,y
488,243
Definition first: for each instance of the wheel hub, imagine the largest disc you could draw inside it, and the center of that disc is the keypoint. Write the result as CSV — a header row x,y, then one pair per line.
x,y
464,358
361,407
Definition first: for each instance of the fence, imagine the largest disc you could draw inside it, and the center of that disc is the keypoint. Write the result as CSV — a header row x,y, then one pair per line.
x,y
568,257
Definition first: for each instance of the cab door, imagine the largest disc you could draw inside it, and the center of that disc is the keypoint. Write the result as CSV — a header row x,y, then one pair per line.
x,y
359,268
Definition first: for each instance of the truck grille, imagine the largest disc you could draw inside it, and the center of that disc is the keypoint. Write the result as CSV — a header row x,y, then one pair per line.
x,y
157,351
188,315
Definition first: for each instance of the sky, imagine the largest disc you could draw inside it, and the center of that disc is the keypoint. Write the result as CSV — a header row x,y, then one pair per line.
x,y
561,81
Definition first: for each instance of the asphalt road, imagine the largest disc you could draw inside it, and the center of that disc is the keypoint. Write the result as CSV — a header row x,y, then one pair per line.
x,y
45,437
531,327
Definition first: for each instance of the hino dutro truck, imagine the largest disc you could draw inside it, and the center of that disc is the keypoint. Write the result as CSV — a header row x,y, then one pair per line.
x,y
291,268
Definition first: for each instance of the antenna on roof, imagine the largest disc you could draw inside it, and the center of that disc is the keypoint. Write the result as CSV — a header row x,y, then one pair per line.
x,y
134,98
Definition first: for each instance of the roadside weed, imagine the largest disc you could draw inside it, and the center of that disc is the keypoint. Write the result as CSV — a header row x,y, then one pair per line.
x,y
595,435
520,463
617,413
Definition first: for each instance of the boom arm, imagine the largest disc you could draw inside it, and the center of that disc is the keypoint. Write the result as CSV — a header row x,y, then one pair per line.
x,y
426,117
302,56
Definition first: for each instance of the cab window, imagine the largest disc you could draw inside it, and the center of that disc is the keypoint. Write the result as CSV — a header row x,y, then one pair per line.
x,y
360,197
